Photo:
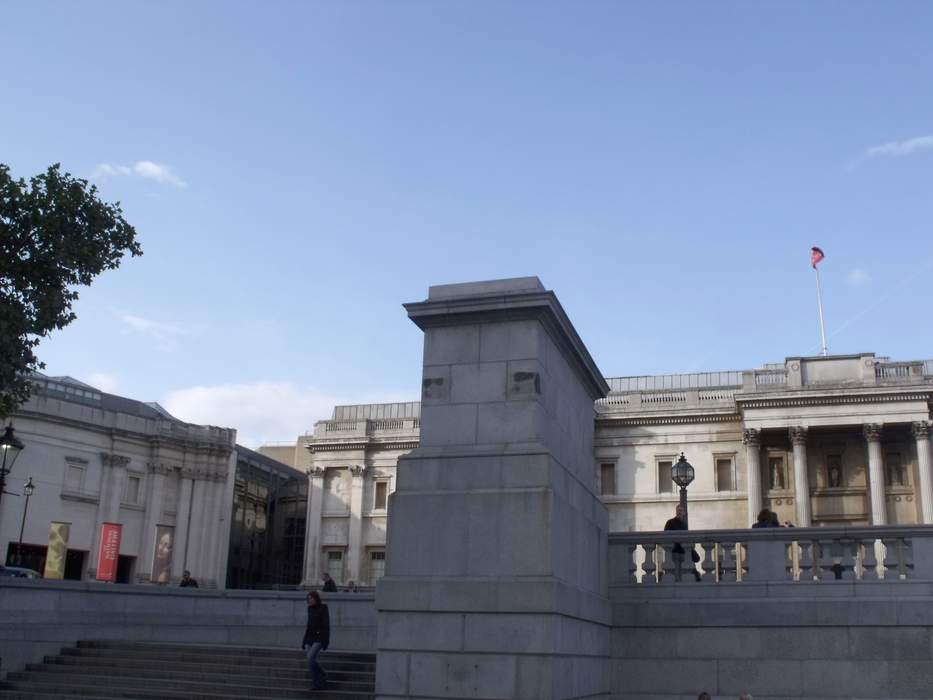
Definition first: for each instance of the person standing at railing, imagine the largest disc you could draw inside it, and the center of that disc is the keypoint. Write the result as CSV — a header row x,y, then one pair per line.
x,y
766,519
678,522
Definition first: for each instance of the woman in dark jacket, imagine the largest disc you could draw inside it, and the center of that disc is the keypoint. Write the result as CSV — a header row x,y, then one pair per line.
x,y
317,638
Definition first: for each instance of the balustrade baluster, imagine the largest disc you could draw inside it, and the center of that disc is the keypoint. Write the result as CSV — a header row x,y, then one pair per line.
x,y
793,561
708,561
809,555
727,565
650,565
631,557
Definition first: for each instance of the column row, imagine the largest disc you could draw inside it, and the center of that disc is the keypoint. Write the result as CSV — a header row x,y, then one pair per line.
x,y
872,435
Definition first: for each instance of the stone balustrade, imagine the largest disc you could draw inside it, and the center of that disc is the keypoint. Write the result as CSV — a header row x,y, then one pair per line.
x,y
821,554
366,427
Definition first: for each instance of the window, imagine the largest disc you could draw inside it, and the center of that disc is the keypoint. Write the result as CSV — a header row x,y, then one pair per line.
x,y
834,478
74,476
334,564
894,469
777,476
377,565
665,485
607,479
725,474
132,490
381,495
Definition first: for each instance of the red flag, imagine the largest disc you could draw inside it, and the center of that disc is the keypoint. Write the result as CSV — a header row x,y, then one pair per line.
x,y
816,255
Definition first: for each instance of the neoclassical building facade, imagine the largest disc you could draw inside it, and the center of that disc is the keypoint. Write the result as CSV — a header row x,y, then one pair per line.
x,y
98,460
842,439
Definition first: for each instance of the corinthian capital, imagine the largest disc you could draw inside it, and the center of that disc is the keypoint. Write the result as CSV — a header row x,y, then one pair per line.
x,y
798,435
751,436
314,472
357,469
920,430
872,432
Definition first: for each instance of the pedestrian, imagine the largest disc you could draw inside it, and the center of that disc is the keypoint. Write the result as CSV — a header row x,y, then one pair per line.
x,y
774,519
351,587
745,696
329,585
316,639
765,519
704,696
678,522
187,581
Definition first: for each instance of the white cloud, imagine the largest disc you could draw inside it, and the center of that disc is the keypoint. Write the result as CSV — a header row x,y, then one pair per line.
x,y
857,277
161,173
261,412
104,382
165,334
894,149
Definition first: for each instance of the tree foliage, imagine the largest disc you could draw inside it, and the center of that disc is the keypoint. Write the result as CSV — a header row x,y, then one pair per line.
x,y
55,235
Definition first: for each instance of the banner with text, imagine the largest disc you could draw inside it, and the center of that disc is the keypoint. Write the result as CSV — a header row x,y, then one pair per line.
x,y
57,550
110,534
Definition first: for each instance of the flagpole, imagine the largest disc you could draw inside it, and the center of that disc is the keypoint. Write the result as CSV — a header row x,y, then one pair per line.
x,y
819,301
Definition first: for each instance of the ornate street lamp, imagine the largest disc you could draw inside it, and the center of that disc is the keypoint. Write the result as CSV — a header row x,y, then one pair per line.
x,y
10,447
682,474
28,489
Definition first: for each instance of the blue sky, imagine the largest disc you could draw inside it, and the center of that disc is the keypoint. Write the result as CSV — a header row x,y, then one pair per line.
x,y
298,170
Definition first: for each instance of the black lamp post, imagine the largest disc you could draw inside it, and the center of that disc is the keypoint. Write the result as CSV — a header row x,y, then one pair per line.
x,y
682,474
10,447
28,489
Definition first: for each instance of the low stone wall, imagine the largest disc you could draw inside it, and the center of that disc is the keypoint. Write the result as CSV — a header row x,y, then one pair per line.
x,y
778,640
39,617
769,635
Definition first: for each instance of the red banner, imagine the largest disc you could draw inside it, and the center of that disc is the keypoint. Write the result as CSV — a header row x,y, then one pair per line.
x,y
109,552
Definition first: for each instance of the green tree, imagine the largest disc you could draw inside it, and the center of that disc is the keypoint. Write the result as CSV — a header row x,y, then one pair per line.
x,y
55,235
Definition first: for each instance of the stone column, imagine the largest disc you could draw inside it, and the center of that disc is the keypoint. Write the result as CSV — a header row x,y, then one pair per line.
x,y
921,431
200,505
355,537
496,579
798,436
872,432
113,482
752,440
312,566
180,546
154,507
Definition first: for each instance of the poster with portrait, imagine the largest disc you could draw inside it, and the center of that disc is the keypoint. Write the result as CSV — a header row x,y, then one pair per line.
x,y
57,550
162,554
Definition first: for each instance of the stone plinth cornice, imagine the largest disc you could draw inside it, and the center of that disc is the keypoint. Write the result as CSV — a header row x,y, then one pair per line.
x,y
475,303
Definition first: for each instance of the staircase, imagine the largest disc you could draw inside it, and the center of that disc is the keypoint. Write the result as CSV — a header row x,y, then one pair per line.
x,y
111,669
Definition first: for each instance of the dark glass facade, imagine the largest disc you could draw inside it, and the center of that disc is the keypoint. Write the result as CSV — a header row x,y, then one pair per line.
x,y
267,531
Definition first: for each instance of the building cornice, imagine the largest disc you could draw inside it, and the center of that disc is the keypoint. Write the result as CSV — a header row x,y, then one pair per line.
x,y
667,419
406,444
758,401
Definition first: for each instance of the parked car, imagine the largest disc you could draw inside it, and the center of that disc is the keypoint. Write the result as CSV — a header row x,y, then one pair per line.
x,y
19,572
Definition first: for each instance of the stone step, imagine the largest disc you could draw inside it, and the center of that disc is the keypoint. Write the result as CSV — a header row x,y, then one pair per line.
x,y
212,650
16,688
168,679
292,661
139,667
